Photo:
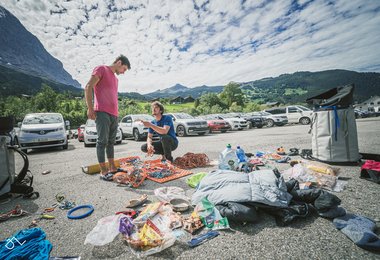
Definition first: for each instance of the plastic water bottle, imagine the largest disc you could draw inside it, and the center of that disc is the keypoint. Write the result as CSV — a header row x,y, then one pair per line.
x,y
228,159
240,154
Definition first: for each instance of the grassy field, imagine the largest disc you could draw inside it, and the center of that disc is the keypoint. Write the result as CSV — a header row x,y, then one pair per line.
x,y
294,91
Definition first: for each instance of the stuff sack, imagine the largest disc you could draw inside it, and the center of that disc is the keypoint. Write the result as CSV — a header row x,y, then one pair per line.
x,y
370,170
334,136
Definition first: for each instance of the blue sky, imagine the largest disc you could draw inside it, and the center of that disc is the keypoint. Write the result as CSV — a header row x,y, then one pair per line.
x,y
197,42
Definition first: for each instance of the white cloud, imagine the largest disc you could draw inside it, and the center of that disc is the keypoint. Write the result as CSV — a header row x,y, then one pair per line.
x,y
204,42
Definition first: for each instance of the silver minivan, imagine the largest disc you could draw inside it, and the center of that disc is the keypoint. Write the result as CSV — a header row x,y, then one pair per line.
x,y
40,130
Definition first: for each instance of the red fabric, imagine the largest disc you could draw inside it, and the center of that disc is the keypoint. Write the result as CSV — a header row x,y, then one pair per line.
x,y
371,165
105,92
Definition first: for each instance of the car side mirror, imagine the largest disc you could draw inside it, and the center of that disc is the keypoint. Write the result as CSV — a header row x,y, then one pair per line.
x,y
173,119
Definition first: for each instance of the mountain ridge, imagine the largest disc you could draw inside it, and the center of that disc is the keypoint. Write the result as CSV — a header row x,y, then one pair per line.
x,y
22,51
287,87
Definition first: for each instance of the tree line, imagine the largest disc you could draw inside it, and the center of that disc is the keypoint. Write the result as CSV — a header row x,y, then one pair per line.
x,y
74,109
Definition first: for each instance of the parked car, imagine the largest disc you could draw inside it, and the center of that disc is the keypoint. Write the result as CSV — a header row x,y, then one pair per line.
x,y
132,127
69,134
40,130
361,113
254,120
236,123
271,120
215,124
295,114
81,133
75,133
91,136
185,124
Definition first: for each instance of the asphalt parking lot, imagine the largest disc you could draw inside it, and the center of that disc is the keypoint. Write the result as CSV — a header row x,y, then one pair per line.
x,y
310,238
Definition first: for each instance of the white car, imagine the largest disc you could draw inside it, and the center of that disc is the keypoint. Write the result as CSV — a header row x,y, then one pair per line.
x,y
132,127
185,124
40,130
272,120
295,113
91,136
236,123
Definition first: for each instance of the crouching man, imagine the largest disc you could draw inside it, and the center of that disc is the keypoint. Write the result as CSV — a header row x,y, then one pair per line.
x,y
164,127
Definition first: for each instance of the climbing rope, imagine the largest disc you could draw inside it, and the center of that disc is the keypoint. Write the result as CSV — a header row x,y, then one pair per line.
x,y
192,160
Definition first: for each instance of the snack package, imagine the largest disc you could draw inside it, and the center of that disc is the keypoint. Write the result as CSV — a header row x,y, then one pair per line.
x,y
192,223
148,211
210,215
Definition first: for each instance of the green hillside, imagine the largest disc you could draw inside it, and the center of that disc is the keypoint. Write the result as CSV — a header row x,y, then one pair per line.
x,y
297,87
14,83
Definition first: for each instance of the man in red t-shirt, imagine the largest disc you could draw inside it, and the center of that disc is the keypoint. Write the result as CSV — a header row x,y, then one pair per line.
x,y
104,110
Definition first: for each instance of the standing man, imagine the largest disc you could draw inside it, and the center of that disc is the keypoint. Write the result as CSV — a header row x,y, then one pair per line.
x,y
103,84
163,126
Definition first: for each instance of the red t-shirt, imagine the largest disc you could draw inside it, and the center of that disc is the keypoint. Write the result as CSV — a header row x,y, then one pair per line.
x,y
105,92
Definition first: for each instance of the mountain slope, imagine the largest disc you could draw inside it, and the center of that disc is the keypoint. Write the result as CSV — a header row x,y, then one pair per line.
x,y
180,90
289,88
20,50
14,83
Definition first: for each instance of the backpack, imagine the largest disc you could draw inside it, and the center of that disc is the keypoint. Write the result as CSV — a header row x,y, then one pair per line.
x,y
370,170
10,182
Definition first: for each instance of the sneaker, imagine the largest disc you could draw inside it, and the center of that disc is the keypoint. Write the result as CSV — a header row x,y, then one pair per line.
x,y
107,177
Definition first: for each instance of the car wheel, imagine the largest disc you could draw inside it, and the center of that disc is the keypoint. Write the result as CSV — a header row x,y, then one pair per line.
x,y
305,120
260,126
223,131
209,130
270,123
136,134
118,142
64,147
250,125
181,131
203,133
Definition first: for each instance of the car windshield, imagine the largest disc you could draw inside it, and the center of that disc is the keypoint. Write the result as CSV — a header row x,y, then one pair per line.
x,y
142,117
90,122
183,116
227,116
34,119
265,113
304,108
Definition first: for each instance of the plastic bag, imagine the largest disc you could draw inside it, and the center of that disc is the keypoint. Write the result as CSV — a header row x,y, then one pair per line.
x,y
105,231
210,215
148,212
299,173
155,235
315,173
194,180
166,194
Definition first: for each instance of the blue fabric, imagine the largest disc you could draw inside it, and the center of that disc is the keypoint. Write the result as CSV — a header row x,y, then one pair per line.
x,y
165,120
360,230
336,119
26,244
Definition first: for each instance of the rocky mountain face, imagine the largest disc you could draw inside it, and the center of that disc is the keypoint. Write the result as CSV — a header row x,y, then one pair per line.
x,y
22,51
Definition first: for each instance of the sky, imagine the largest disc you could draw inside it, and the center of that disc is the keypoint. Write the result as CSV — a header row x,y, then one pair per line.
x,y
198,42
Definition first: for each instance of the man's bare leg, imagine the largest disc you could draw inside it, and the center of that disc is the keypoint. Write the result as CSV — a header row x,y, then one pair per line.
x,y
103,168
111,164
